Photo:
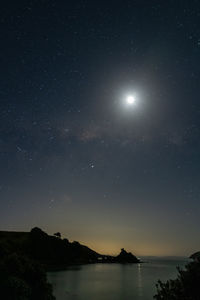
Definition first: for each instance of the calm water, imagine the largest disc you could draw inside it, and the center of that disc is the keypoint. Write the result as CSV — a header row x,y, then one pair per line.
x,y
113,281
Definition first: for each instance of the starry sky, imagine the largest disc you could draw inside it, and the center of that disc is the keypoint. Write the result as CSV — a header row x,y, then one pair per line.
x,y
74,157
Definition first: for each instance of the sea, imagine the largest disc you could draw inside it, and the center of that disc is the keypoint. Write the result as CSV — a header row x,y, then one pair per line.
x,y
114,281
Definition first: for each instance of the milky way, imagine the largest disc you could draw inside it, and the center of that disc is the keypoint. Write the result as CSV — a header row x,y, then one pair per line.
x,y
74,157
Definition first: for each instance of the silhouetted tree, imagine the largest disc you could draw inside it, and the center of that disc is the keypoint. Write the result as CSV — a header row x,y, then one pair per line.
x,y
58,234
38,233
196,256
185,287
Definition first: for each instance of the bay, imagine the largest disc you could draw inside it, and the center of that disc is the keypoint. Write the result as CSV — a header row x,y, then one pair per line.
x,y
114,281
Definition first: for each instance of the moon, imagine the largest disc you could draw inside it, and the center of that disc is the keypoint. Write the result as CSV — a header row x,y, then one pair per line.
x,y
130,99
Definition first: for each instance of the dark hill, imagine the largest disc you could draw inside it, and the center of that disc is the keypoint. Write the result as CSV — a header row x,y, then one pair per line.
x,y
53,252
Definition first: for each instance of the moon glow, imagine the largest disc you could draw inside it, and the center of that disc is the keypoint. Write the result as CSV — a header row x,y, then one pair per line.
x,y
130,100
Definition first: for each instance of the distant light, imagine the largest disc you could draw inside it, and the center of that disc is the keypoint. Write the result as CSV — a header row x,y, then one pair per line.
x,y
130,100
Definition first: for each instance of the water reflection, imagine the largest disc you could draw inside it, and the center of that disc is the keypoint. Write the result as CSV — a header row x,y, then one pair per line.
x,y
123,281
112,281
140,286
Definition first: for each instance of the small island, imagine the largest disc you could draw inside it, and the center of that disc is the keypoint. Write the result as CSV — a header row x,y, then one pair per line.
x,y
126,257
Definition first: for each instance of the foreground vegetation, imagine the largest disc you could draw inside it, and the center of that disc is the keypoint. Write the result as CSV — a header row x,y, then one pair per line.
x,y
185,287
23,279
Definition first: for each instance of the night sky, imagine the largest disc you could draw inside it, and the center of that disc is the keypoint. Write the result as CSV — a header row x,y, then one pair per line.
x,y
75,157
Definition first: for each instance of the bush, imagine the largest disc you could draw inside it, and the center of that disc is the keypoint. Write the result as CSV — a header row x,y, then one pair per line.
x,y
23,279
185,287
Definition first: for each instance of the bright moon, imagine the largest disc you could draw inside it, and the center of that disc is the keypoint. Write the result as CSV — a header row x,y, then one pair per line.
x,y
130,100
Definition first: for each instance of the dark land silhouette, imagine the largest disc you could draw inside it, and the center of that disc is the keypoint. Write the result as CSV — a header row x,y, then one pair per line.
x,y
25,256
53,252
126,257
